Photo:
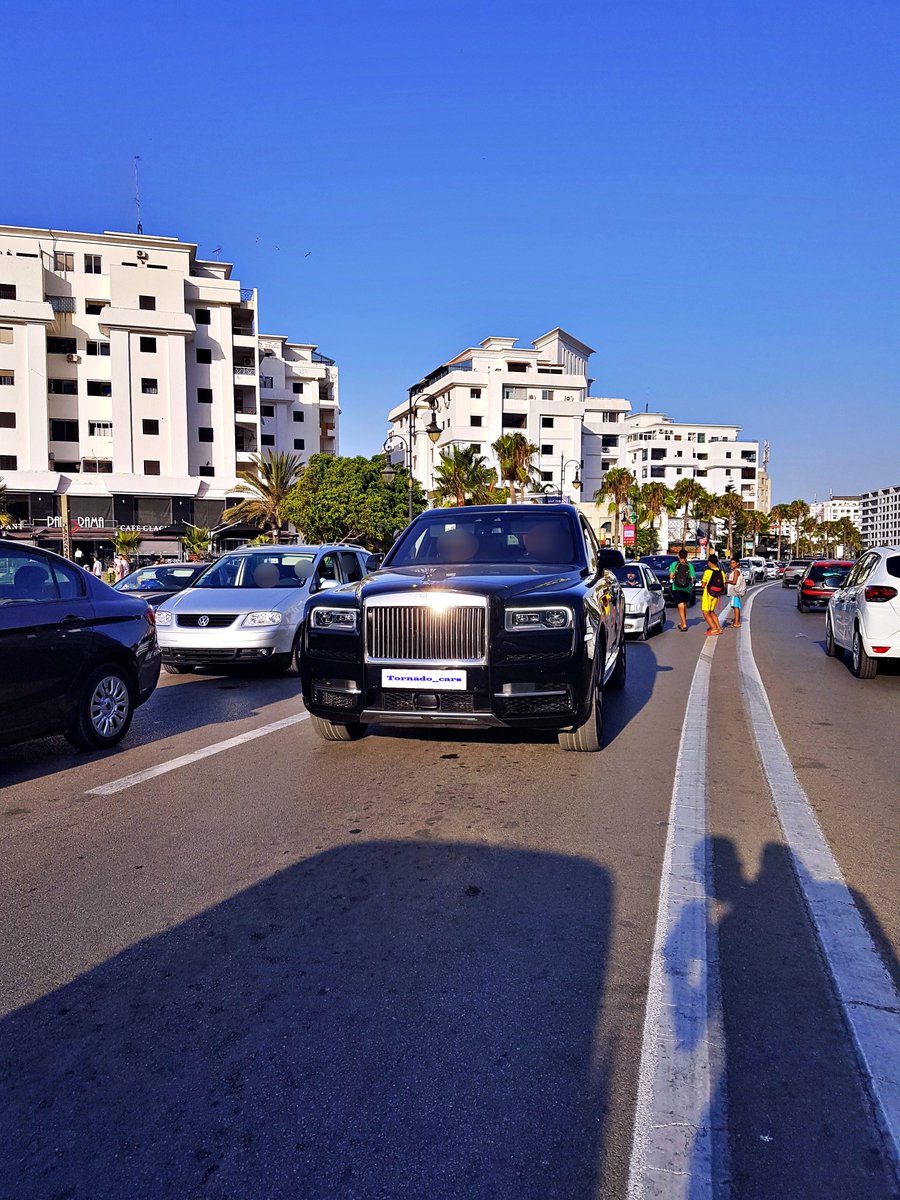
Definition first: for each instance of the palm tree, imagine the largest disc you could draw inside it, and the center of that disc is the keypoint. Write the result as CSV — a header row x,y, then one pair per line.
x,y
5,518
779,513
685,495
730,505
706,508
798,511
654,499
756,522
515,455
267,488
849,536
617,484
196,543
463,475
127,541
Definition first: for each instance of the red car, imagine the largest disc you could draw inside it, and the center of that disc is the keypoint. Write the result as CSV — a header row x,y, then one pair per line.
x,y
819,581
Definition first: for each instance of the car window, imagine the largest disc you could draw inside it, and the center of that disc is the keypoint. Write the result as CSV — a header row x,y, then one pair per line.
x,y
832,574
353,571
499,539
271,569
590,546
69,580
630,576
25,578
328,568
893,565
862,570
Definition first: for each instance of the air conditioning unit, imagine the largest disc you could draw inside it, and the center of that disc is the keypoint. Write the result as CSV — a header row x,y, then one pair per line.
x,y
73,358
143,255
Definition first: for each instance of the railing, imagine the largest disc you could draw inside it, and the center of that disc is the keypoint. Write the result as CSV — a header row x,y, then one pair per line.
x,y
62,304
246,293
242,449
245,370
322,358
246,410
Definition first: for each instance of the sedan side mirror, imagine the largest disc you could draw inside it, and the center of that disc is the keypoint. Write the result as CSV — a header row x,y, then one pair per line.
x,y
373,562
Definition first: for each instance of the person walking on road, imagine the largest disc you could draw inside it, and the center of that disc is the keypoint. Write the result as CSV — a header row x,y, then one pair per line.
x,y
681,585
97,569
713,589
737,586
120,567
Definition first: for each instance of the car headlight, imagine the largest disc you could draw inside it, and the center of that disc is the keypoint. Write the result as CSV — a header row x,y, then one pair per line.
x,y
335,618
520,620
163,618
269,617
633,608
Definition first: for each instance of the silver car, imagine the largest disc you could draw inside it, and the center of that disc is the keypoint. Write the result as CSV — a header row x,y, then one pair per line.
x,y
247,606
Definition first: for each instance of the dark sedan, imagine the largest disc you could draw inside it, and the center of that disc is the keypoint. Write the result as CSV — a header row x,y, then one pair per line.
x,y
76,657
820,581
158,583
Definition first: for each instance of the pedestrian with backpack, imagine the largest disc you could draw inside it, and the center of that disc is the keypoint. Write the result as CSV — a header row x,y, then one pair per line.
x,y
714,588
681,585
737,586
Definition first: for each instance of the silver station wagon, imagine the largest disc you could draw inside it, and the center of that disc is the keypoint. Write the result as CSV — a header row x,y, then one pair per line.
x,y
247,607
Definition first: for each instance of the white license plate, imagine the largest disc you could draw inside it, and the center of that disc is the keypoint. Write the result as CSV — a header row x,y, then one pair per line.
x,y
425,680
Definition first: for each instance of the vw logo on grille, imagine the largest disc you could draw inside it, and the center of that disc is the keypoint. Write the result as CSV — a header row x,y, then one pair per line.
x,y
203,621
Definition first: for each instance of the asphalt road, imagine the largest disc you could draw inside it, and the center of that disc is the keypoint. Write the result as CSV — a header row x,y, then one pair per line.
x,y
417,965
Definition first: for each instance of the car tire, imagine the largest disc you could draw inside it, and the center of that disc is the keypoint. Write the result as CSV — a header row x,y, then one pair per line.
x,y
645,630
802,607
862,665
587,738
287,664
332,731
832,649
174,669
620,670
104,710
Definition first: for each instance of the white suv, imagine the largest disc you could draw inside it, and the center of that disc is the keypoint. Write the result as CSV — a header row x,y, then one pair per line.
x,y
864,615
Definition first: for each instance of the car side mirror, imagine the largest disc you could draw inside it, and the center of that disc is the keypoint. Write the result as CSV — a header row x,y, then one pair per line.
x,y
656,587
324,585
374,561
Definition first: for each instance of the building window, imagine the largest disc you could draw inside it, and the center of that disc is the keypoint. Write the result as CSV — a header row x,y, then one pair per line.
x,y
546,476
268,439
63,261
62,387
298,389
148,345
205,433
98,349
96,466
547,394
267,410
7,291
99,428
7,420
92,264
728,470
204,356
204,395
517,366
94,308
513,421
206,471
99,387
476,446
609,418
6,335
148,303
476,421
150,427
150,387
298,416
546,422
62,345
7,378
474,393
546,449
201,316
8,462
728,454
151,466
299,443
657,472
63,431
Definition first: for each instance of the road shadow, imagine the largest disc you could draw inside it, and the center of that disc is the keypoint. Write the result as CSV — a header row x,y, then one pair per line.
x,y
387,1019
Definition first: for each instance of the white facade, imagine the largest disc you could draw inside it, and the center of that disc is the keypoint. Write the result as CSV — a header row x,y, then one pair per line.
x,y
130,377
880,517
835,508
500,387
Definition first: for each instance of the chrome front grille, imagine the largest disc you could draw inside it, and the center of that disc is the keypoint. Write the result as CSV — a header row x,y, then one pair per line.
x,y
423,628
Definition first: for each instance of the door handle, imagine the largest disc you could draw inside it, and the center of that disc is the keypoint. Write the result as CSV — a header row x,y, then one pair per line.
x,y
72,622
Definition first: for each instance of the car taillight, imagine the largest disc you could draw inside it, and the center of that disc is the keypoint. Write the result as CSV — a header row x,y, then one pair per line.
x,y
881,649
879,593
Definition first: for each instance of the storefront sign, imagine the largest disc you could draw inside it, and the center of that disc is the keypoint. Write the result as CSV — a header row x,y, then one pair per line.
x,y
628,535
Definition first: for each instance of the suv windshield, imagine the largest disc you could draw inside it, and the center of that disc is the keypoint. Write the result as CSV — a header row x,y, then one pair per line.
x,y
501,539
272,569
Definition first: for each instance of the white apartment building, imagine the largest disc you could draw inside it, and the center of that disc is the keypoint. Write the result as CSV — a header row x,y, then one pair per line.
x,y
499,387
835,508
879,521
134,382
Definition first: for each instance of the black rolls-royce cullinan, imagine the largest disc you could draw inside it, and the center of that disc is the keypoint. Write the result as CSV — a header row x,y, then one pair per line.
x,y
502,615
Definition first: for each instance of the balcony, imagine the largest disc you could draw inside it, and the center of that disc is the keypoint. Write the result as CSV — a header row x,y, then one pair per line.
x,y
245,414
249,372
62,304
243,339
246,295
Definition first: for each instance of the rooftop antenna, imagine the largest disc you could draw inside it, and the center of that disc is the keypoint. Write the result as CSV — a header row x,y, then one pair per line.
x,y
137,192
216,252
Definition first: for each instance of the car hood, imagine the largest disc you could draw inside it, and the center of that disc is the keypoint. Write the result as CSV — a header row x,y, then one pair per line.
x,y
504,582
233,600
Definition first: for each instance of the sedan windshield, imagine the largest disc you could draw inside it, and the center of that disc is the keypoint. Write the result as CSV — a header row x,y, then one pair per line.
x,y
158,579
629,577
273,569
504,539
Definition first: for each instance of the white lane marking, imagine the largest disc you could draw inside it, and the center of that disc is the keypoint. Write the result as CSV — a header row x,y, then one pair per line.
x,y
865,991
184,760
672,1148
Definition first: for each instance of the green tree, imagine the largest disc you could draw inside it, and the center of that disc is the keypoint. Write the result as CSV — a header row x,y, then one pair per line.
x,y
756,524
347,500
778,514
5,518
617,484
127,541
646,540
731,506
196,542
798,511
849,536
463,476
267,488
685,495
515,455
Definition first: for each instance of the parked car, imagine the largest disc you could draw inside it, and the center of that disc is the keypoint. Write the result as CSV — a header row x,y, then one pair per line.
x,y
645,602
501,615
247,607
771,569
76,657
864,612
794,571
158,583
746,569
819,581
659,565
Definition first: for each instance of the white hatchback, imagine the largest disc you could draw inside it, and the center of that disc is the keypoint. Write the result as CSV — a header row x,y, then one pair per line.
x,y
645,600
864,615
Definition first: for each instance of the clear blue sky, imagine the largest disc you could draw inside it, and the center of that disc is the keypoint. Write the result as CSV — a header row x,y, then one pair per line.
x,y
706,192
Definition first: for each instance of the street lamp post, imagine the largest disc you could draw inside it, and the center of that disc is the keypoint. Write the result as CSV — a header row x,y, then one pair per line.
x,y
563,463
432,429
